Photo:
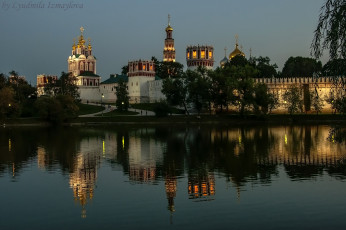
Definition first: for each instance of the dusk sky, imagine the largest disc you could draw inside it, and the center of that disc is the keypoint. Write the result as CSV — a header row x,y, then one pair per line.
x,y
39,40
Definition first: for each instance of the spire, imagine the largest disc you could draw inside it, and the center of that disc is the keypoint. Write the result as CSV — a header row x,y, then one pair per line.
x,y
89,45
225,51
81,41
236,40
169,28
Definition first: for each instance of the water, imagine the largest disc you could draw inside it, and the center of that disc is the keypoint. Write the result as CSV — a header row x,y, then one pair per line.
x,y
204,177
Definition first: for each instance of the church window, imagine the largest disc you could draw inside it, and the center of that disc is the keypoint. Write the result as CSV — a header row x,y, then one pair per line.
x,y
151,67
188,55
210,54
143,67
202,54
194,54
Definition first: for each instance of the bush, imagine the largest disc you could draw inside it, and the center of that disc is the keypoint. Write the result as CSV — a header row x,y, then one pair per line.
x,y
56,109
161,109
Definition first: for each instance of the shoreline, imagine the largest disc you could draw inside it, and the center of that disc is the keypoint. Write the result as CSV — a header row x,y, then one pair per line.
x,y
297,119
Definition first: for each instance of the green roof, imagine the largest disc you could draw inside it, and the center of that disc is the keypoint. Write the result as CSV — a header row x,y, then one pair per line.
x,y
116,79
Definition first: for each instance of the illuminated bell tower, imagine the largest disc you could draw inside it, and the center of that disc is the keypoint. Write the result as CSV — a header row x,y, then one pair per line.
x,y
169,50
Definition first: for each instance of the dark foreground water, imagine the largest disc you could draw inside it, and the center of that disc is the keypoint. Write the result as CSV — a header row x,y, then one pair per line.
x,y
286,177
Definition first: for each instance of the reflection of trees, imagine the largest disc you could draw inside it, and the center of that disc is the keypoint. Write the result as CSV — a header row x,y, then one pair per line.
x,y
19,147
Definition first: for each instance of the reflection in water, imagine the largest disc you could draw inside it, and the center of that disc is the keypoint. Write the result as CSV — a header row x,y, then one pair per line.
x,y
83,178
152,155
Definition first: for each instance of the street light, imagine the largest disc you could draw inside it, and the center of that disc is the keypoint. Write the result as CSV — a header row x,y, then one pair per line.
x,y
102,96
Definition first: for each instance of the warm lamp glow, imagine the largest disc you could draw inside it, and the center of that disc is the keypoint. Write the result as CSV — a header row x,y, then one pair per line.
x,y
202,54
194,54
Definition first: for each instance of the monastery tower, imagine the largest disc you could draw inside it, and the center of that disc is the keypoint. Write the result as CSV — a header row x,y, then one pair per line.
x,y
169,50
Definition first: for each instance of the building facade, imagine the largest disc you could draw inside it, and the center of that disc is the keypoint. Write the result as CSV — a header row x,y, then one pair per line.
x,y
199,56
169,50
82,65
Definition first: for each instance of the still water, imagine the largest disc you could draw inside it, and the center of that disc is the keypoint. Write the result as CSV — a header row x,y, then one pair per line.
x,y
201,177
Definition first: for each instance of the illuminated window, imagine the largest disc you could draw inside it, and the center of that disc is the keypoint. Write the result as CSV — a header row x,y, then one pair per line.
x,y
210,54
143,67
194,54
151,67
202,54
188,55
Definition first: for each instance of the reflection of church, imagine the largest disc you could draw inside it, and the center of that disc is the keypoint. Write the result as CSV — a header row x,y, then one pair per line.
x,y
83,179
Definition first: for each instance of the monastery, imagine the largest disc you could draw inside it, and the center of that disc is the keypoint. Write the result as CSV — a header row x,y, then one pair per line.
x,y
144,86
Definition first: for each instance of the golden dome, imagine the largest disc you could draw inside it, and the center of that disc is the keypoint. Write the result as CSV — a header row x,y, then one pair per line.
x,y
236,52
169,28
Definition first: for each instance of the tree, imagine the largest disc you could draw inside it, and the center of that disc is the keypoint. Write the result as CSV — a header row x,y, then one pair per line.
x,y
175,91
66,85
8,105
335,68
292,100
220,88
123,98
56,109
167,69
264,101
3,80
198,86
125,69
331,30
316,101
301,67
243,95
265,69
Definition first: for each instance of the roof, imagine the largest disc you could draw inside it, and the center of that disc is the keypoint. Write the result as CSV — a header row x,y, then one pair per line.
x,y
88,74
116,79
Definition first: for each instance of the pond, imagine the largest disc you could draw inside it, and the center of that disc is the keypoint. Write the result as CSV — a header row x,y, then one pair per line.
x,y
173,177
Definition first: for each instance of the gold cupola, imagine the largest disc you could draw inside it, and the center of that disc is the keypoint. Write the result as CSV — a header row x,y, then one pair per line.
x,y
236,51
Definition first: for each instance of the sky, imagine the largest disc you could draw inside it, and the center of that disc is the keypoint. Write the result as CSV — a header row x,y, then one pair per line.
x,y
36,37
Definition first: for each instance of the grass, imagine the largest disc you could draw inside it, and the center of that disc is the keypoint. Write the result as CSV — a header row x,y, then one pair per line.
x,y
118,113
151,106
88,109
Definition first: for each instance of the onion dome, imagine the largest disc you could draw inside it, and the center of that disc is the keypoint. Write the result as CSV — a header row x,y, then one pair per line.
x,y
169,28
236,52
224,61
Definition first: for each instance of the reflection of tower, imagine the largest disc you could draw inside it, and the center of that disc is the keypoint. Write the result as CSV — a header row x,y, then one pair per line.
x,y
169,50
171,191
83,179
201,186
143,158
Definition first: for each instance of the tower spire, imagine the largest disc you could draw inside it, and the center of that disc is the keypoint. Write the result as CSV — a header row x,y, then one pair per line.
x,y
225,50
236,40
169,19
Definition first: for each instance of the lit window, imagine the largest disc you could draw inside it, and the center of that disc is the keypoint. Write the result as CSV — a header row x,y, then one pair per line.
x,y
188,55
202,54
151,67
194,54
210,54
143,67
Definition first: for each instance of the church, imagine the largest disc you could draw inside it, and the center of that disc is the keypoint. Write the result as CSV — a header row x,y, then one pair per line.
x,y
144,86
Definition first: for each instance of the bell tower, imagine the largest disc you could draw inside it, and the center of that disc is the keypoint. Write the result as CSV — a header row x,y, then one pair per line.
x,y
169,50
